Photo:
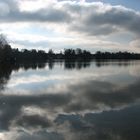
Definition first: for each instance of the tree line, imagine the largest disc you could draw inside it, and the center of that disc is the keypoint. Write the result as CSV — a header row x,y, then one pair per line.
x,y
12,55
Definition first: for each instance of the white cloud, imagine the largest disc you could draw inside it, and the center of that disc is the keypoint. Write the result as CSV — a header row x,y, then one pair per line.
x,y
135,43
34,5
72,23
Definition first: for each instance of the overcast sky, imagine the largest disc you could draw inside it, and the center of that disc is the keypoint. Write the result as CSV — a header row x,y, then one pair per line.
x,y
106,25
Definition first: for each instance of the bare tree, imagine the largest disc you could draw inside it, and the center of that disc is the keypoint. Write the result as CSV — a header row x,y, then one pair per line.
x,y
3,40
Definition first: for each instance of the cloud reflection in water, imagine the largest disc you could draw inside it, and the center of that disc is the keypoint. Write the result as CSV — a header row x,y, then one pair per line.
x,y
87,108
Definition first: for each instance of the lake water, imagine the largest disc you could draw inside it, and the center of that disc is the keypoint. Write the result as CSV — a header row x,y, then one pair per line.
x,y
70,101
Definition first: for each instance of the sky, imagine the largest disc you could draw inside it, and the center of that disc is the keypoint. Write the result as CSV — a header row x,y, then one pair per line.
x,y
95,25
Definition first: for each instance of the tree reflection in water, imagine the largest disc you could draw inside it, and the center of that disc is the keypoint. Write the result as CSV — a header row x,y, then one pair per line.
x,y
91,109
5,72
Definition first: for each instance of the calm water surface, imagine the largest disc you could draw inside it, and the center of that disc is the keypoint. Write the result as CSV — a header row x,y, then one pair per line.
x,y
70,101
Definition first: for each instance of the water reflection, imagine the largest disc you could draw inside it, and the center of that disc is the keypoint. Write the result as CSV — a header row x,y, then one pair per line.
x,y
120,63
65,107
5,72
76,64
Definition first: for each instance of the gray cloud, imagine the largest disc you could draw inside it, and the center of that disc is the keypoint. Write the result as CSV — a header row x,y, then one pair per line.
x,y
54,16
117,16
91,19
96,94
69,122
108,125
101,19
87,96
40,135
11,105
48,14
33,121
91,95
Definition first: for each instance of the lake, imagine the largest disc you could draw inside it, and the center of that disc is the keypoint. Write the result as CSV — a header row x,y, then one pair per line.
x,y
97,100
